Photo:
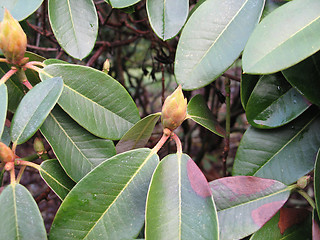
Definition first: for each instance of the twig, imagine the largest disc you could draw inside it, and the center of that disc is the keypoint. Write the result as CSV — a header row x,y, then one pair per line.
x,y
227,138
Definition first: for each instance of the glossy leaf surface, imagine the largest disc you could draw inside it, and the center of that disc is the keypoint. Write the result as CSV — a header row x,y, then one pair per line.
x,y
19,9
247,84
139,134
77,150
167,17
103,106
317,182
207,46
305,76
20,216
244,203
3,106
274,103
56,178
269,48
34,108
287,224
75,33
199,112
109,202
5,138
121,3
180,204
284,154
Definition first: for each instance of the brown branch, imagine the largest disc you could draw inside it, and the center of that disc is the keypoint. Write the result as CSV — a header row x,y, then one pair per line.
x,y
236,78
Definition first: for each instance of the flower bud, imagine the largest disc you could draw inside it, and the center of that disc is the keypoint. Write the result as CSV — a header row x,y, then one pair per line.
x,y
38,146
106,66
174,110
303,181
13,40
6,154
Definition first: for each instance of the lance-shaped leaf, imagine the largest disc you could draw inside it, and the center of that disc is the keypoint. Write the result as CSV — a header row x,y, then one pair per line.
x,y
273,102
199,112
34,108
247,84
19,9
167,17
284,154
244,203
207,46
270,6
109,202
3,106
56,178
180,203
305,76
20,215
5,138
95,100
317,182
75,33
77,150
121,3
269,48
139,134
288,223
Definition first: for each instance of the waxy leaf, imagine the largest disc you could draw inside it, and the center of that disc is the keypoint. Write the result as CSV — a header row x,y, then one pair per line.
x,y
34,109
5,138
56,178
317,182
139,134
75,25
19,9
199,112
305,76
270,6
180,203
288,223
245,204
269,48
247,84
109,202
20,215
284,154
121,3
77,150
95,100
208,46
167,17
3,106
273,102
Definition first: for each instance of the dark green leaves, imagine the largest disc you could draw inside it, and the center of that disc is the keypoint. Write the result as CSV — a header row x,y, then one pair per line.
x,y
3,106
121,3
317,182
19,9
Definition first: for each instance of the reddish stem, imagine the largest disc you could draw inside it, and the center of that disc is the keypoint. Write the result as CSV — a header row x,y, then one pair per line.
x,y
178,143
8,75
166,134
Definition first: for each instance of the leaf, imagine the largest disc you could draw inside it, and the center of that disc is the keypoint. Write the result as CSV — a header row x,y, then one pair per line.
x,y
121,3
284,154
56,178
21,218
199,112
273,103
269,48
317,182
305,76
75,33
3,106
77,150
207,46
247,84
19,9
109,202
34,108
139,134
167,17
315,225
270,6
245,204
288,223
180,204
107,110
5,138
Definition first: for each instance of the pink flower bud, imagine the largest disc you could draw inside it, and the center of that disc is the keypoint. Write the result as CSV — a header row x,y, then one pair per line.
x,y
6,154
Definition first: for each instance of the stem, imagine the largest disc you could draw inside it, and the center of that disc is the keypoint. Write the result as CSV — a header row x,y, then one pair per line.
x,y
23,78
166,134
20,173
12,176
307,197
4,60
36,63
8,75
29,164
228,119
178,143
30,158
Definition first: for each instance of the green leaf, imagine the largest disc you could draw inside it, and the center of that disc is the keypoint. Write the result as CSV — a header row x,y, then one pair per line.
x,y
284,154
288,223
274,103
19,9
56,178
5,138
121,3
245,204
34,108
167,17
3,106
305,76
109,202
180,204
317,182
270,6
75,25
103,106
199,112
20,216
77,150
247,84
139,134
292,26
315,225
208,46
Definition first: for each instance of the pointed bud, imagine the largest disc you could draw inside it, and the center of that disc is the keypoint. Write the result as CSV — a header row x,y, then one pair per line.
x,y
6,154
174,110
38,146
106,66
13,40
303,181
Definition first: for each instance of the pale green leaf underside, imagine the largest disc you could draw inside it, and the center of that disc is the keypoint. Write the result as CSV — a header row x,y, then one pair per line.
x,y
121,3
19,9
3,106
